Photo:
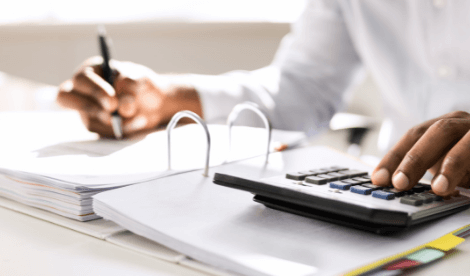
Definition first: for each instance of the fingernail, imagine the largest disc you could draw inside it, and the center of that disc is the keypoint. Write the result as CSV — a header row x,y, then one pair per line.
x,y
381,176
440,184
137,124
400,181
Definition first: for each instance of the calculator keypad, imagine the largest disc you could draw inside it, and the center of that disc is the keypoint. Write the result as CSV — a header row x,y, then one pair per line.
x,y
359,182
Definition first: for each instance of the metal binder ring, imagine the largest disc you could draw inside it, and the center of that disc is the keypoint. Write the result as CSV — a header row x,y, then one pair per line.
x,y
189,114
255,108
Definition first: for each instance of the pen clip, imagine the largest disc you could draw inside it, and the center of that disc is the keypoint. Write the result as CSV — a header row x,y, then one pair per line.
x,y
255,108
189,114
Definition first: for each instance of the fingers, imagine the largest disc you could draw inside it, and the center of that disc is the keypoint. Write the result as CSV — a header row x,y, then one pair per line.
x,y
135,125
88,83
383,173
427,151
455,169
85,105
127,106
97,126
389,163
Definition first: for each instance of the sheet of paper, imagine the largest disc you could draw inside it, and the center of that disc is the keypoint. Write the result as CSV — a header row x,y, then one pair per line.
x,y
54,148
223,227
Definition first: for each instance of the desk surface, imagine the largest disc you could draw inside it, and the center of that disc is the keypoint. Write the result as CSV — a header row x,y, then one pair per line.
x,y
30,246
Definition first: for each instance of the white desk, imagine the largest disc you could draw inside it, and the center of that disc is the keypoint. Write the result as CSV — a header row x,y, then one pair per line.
x,y
30,246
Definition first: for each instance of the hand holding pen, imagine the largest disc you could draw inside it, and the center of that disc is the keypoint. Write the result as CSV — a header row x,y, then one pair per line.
x,y
116,121
141,98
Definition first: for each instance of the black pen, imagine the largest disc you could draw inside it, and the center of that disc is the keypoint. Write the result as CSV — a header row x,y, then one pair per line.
x,y
116,121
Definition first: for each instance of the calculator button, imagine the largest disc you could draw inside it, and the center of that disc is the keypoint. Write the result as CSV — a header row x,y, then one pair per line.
x,y
372,186
316,180
337,168
359,189
328,177
427,198
362,179
316,171
351,181
326,170
433,196
409,192
353,173
383,195
300,175
337,176
396,192
342,185
296,176
366,176
418,188
411,200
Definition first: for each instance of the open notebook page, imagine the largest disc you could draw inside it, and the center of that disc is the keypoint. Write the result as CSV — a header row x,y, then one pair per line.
x,y
224,228
55,149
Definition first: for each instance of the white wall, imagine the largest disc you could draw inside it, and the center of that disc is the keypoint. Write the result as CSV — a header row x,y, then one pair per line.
x,y
50,53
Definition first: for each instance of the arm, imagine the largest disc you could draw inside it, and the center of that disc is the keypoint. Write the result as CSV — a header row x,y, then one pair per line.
x,y
300,90
304,86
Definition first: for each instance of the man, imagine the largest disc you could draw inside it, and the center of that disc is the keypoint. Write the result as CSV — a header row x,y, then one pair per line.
x,y
417,51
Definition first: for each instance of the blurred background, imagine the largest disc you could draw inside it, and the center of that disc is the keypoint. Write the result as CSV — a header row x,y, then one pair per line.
x,y
43,42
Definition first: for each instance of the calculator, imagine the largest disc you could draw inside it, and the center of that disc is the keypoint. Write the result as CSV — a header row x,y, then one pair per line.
x,y
348,197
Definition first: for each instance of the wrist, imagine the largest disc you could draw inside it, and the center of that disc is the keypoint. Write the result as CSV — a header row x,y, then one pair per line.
x,y
183,97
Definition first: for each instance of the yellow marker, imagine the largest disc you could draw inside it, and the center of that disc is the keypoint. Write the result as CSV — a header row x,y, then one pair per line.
x,y
446,243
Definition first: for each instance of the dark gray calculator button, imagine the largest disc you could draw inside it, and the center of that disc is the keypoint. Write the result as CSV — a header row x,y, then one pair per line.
x,y
362,179
433,196
427,198
366,176
411,200
316,180
326,170
296,175
335,176
418,188
351,181
426,187
337,169
372,186
409,192
316,172
396,192
353,173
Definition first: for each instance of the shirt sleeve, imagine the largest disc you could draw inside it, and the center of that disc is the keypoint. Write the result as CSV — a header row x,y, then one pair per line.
x,y
304,86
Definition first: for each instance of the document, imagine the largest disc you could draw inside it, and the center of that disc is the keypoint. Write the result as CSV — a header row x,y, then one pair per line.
x,y
52,162
224,228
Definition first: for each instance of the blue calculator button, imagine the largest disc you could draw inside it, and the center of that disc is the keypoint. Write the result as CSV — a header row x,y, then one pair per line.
x,y
383,195
361,190
340,185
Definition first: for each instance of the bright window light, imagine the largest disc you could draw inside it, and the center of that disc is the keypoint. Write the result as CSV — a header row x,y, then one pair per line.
x,y
107,11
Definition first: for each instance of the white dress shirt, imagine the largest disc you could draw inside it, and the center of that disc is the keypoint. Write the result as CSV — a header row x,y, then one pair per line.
x,y
418,52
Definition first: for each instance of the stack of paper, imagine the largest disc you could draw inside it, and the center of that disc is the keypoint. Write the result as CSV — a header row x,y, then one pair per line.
x,y
52,162
223,227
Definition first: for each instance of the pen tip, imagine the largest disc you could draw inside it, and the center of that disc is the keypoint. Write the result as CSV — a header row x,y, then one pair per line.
x,y
101,30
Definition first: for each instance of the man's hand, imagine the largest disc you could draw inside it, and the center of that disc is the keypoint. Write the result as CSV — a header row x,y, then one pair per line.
x,y
441,146
142,98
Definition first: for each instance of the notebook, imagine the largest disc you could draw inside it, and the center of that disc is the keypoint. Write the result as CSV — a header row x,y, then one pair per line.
x,y
50,161
224,228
